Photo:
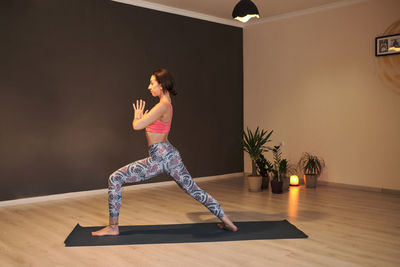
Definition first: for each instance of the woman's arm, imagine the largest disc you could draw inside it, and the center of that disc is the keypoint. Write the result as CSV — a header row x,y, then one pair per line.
x,y
141,120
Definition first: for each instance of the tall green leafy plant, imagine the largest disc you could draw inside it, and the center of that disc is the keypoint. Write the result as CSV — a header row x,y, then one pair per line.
x,y
254,143
279,167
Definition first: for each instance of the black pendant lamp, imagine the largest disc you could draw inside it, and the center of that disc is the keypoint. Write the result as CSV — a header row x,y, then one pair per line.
x,y
245,10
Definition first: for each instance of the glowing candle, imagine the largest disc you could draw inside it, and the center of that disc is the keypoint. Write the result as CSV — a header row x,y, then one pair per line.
x,y
294,180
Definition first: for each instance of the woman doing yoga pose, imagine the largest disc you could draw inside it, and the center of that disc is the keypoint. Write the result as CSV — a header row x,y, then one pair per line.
x,y
163,156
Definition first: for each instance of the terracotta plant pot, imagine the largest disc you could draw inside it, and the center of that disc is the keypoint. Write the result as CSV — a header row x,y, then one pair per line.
x,y
254,183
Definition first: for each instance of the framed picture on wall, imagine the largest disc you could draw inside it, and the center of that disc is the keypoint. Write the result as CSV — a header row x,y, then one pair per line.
x,y
387,45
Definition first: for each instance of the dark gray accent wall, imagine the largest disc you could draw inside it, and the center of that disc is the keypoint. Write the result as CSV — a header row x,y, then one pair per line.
x,y
69,73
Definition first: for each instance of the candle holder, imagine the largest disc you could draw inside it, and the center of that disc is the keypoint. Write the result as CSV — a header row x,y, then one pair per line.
x,y
294,180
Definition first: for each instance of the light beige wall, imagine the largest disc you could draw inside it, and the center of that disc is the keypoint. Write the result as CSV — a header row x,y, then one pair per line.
x,y
313,79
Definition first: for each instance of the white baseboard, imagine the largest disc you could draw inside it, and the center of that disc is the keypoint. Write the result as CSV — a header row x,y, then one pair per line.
x,y
31,200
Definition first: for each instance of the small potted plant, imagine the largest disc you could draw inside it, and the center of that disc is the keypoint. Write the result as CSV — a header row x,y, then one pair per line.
x,y
254,145
312,167
263,171
278,170
283,170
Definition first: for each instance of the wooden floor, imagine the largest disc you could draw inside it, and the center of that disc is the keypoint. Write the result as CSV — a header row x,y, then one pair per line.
x,y
345,228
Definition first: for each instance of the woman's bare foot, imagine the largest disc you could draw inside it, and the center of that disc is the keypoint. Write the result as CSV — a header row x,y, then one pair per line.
x,y
224,226
108,230
227,224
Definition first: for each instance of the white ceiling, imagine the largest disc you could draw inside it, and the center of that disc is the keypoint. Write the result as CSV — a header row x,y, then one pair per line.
x,y
221,10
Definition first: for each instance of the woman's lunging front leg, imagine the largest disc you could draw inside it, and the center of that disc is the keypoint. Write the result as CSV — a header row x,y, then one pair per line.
x,y
134,172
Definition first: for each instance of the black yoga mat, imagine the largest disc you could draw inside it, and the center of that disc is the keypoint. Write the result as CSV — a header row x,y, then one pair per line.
x,y
183,233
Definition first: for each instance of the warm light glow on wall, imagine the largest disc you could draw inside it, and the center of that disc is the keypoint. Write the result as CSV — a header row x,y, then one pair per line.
x,y
294,180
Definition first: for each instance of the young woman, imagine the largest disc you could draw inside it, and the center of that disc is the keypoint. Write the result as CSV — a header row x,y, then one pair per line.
x,y
163,156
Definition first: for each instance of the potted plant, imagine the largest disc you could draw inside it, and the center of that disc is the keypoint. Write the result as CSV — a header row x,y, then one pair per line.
x,y
276,182
263,171
312,167
254,145
279,169
283,170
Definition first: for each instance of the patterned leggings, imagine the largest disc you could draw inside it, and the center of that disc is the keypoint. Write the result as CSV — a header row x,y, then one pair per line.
x,y
163,158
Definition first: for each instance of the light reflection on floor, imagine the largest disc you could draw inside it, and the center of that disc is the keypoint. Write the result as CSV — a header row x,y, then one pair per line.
x,y
293,200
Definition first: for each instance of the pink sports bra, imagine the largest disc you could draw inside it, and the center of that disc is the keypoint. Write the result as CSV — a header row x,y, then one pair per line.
x,y
159,126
